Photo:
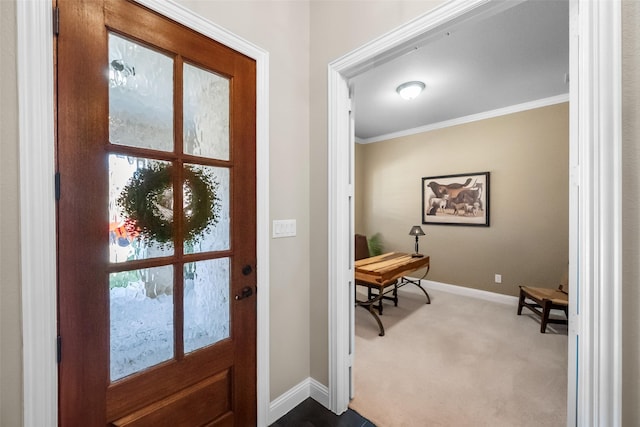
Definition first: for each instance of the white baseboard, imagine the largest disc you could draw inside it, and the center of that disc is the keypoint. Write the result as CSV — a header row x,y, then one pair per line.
x,y
463,291
319,392
296,395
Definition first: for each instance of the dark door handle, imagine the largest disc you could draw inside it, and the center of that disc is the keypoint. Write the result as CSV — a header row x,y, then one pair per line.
x,y
246,292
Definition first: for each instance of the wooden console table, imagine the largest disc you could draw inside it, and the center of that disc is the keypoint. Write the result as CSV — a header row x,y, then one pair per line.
x,y
384,271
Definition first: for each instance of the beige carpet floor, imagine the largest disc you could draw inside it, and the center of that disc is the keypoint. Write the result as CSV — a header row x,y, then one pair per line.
x,y
459,362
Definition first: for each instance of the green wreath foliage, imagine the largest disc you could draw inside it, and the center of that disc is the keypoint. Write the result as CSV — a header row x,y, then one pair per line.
x,y
146,203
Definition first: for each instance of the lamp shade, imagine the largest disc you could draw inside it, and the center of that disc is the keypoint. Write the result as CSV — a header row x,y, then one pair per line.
x,y
416,230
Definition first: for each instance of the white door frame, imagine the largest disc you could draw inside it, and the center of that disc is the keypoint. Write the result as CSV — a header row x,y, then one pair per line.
x,y
37,201
594,384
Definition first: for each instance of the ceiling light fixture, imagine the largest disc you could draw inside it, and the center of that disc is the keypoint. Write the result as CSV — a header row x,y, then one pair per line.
x,y
410,90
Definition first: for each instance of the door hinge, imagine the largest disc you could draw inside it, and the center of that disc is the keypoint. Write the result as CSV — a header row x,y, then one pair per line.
x,y
56,21
59,349
57,185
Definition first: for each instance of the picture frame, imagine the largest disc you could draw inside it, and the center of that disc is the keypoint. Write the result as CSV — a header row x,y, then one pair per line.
x,y
460,199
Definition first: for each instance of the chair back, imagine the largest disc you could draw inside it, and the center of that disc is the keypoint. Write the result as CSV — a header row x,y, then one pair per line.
x,y
361,247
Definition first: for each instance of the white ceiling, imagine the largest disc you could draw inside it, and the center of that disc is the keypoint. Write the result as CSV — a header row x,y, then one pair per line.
x,y
517,56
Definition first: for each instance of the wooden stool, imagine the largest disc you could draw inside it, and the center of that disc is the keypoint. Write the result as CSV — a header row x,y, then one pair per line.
x,y
544,300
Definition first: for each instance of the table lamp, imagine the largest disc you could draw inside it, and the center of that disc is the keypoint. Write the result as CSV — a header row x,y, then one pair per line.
x,y
416,230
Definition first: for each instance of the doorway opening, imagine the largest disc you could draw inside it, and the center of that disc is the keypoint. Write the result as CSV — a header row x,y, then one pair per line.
x,y
519,243
593,341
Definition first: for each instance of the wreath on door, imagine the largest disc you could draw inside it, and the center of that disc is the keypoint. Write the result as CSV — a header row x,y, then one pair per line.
x,y
147,203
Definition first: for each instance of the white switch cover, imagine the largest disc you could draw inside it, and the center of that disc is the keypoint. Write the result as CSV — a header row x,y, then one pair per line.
x,y
498,278
284,228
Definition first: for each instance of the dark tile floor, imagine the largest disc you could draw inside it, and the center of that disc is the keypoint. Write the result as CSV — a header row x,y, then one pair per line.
x,y
312,414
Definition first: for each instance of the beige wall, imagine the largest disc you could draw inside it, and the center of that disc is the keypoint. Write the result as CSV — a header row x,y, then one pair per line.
x,y
282,29
10,337
631,213
527,154
337,28
360,176
302,39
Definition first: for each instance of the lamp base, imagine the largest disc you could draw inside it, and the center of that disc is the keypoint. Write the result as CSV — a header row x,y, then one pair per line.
x,y
417,255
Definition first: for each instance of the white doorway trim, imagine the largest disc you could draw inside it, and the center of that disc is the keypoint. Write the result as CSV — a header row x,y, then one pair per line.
x,y
594,384
37,202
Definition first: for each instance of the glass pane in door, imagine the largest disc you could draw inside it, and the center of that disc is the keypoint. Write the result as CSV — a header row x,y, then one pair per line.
x,y
140,96
206,113
206,303
214,237
140,208
141,319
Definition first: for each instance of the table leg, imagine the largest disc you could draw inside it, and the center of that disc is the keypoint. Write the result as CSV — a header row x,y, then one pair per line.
x,y
393,298
369,305
418,283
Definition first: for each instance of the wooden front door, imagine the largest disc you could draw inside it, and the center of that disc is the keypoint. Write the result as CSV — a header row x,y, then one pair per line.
x,y
156,222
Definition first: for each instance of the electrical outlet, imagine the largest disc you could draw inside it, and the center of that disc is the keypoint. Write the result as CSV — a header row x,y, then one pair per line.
x,y
498,278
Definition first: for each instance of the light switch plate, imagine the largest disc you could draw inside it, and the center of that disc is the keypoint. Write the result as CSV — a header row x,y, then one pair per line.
x,y
283,228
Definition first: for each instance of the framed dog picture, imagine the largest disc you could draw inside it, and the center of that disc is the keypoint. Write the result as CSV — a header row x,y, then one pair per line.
x,y
461,199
